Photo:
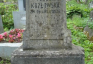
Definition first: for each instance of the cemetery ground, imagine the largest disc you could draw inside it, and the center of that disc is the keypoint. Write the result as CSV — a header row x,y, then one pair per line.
x,y
4,61
78,38
75,23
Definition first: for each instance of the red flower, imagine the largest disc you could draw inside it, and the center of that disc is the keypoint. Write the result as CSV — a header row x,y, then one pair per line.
x,y
19,35
14,35
11,40
1,38
10,36
5,34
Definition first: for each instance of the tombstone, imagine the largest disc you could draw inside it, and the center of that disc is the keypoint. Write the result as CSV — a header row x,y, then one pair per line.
x,y
91,4
1,25
91,15
46,39
19,18
21,5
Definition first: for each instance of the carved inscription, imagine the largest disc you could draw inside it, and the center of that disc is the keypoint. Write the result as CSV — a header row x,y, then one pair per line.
x,y
45,19
45,6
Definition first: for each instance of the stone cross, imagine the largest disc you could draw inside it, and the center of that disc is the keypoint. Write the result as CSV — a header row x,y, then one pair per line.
x,y
1,25
46,25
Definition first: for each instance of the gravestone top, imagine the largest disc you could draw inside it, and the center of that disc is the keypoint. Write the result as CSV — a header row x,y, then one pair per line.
x,y
21,5
46,25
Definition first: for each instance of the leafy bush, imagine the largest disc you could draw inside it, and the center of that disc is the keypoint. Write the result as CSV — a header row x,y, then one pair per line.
x,y
78,21
7,17
10,0
2,9
90,23
74,8
79,38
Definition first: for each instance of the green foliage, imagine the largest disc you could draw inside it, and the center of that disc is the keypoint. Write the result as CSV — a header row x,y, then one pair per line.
x,y
90,23
2,9
7,17
78,21
78,38
10,0
81,22
77,14
4,61
73,7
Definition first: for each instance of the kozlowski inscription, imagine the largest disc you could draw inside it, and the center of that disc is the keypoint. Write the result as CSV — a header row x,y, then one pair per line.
x,y
46,6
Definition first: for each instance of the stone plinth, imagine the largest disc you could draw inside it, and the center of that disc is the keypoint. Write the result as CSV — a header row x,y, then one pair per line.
x,y
60,56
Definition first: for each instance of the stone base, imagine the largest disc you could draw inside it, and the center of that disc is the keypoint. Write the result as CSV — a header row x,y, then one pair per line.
x,y
74,56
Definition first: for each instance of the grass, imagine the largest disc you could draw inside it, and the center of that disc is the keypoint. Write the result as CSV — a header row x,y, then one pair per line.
x,y
4,61
78,38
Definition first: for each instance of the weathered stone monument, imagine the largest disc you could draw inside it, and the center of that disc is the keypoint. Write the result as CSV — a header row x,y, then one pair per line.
x,y
21,5
19,17
19,22
1,25
46,39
